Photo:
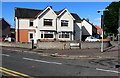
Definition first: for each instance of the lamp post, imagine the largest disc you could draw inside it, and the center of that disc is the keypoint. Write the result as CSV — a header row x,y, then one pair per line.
x,y
102,26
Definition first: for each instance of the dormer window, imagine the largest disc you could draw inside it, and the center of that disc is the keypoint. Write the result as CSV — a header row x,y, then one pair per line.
x,y
64,23
31,22
48,22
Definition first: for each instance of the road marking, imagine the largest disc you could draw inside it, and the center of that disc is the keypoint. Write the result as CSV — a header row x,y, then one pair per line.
x,y
5,55
11,74
8,70
41,61
108,70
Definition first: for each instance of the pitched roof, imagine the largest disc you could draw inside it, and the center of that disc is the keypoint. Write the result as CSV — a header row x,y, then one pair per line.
x,y
3,20
98,28
26,13
31,13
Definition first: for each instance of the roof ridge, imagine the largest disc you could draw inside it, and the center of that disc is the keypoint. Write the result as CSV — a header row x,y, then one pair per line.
x,y
27,9
27,14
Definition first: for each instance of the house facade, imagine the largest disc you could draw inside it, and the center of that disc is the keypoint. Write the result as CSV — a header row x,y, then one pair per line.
x,y
99,32
88,29
32,24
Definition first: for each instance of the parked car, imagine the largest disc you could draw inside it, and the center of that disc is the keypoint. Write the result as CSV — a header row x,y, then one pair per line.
x,y
91,39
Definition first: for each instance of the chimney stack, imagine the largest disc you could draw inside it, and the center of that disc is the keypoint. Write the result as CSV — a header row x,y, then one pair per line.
x,y
87,20
50,6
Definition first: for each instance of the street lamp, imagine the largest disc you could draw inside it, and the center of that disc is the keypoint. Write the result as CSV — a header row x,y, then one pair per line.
x,y
102,26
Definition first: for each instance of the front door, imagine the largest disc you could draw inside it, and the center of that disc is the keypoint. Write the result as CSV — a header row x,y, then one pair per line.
x,y
31,36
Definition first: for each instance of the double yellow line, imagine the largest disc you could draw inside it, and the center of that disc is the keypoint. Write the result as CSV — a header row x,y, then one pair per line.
x,y
14,73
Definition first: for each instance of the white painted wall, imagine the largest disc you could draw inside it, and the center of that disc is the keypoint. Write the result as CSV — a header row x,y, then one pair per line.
x,y
39,24
24,24
67,17
47,15
86,28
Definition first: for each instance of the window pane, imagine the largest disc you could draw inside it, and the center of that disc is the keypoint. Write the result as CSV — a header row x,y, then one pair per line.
x,y
48,35
47,22
67,35
41,35
31,23
60,35
63,35
31,35
64,23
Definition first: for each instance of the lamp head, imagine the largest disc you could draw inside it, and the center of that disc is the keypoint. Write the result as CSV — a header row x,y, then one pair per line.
x,y
98,11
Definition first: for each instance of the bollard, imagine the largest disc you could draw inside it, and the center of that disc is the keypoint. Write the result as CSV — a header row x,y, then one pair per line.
x,y
32,44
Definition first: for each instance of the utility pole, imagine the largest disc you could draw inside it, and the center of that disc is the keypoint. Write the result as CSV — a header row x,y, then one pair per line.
x,y
102,26
117,66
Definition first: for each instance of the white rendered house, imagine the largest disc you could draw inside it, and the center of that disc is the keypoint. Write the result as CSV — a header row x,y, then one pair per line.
x,y
88,29
46,24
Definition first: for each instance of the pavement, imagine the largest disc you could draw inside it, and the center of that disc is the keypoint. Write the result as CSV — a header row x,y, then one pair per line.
x,y
110,52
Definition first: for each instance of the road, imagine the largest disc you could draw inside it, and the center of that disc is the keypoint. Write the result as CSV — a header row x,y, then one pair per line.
x,y
30,65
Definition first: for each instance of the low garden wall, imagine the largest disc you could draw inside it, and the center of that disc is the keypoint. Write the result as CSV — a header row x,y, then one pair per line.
x,y
67,45
85,45
16,44
57,45
53,45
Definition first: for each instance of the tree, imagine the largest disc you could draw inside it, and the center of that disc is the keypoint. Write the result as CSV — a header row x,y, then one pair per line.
x,y
111,18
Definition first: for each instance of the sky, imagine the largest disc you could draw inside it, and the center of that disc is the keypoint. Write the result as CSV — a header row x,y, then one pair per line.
x,y
83,9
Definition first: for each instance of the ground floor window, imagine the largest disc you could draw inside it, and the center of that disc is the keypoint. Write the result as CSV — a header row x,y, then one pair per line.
x,y
64,35
47,34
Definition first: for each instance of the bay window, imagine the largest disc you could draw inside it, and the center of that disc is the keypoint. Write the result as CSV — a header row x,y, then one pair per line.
x,y
47,34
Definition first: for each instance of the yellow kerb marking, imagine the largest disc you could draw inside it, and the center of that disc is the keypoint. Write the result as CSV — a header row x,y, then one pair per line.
x,y
11,74
16,72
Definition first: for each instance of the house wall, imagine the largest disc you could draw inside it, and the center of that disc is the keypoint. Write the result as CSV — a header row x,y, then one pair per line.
x,y
23,23
48,15
78,31
86,28
67,17
69,28
22,35
94,31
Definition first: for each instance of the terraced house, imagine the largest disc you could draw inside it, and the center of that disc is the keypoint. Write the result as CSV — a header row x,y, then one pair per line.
x,y
46,24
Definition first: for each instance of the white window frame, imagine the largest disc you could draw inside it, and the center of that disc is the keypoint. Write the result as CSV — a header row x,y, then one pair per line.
x,y
63,33
44,32
29,36
47,19
31,20
64,25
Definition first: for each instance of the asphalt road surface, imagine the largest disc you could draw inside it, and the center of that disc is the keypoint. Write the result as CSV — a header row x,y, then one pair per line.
x,y
29,64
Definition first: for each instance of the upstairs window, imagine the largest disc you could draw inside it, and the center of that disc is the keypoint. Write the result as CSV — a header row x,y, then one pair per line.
x,y
31,22
47,22
64,23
